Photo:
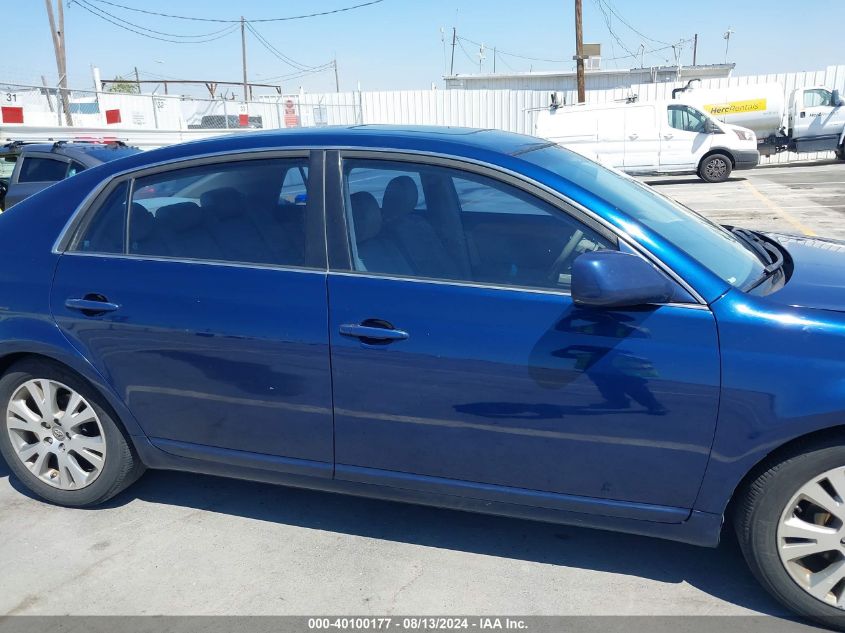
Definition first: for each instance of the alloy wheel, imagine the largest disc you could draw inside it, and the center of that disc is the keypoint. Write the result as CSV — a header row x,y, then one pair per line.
x,y
811,537
56,434
715,169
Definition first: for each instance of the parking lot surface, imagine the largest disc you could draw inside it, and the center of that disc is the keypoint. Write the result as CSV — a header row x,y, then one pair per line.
x,y
801,199
178,544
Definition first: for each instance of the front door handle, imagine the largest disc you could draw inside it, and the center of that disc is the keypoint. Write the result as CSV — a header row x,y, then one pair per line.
x,y
669,135
91,305
372,332
634,136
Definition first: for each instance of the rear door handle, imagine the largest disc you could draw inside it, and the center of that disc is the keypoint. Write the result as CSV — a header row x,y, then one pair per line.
x,y
90,306
634,136
669,135
369,332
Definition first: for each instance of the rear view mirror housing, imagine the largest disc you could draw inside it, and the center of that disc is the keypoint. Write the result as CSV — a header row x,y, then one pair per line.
x,y
836,99
613,279
710,127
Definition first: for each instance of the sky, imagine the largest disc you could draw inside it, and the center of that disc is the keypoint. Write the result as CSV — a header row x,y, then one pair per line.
x,y
405,44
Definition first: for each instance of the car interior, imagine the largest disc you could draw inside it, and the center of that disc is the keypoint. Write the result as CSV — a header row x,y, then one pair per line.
x,y
444,224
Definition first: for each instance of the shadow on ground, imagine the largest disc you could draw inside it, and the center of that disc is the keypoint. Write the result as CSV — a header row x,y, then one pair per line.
x,y
721,572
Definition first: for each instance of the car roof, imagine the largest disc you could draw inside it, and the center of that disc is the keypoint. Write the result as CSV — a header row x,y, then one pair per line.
x,y
459,141
89,153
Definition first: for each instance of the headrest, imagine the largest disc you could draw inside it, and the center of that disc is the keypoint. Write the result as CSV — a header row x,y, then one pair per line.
x,y
400,197
224,202
181,216
366,215
141,222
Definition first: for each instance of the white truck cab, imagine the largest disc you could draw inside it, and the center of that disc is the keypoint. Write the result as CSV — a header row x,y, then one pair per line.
x,y
808,119
651,138
816,120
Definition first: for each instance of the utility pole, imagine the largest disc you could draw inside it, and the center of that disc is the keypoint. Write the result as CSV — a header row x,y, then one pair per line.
x,y
579,53
137,80
57,32
336,80
727,37
243,58
494,60
694,48
454,41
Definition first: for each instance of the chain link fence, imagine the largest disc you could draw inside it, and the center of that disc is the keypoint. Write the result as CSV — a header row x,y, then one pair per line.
x,y
49,106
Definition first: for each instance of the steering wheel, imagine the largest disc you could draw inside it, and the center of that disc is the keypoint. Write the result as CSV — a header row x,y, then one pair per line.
x,y
565,254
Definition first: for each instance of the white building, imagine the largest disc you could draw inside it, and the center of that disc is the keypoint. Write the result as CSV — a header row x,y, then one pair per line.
x,y
595,79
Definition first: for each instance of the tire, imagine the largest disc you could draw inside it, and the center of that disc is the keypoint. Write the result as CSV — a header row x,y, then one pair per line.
x,y
783,562
840,152
715,168
82,456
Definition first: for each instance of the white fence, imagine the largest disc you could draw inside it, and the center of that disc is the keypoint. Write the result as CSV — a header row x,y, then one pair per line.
x,y
174,118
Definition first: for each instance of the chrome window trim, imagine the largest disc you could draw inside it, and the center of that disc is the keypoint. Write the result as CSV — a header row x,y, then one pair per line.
x,y
376,152
210,262
475,284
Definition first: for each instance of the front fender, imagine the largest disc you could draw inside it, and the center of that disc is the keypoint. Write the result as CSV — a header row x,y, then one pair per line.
x,y
783,377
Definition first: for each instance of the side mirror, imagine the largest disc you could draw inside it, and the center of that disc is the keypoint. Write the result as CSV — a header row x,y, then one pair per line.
x,y
710,127
613,279
835,99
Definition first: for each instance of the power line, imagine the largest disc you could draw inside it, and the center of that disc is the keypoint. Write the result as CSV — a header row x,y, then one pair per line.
x,y
283,19
628,24
501,52
144,28
108,18
276,52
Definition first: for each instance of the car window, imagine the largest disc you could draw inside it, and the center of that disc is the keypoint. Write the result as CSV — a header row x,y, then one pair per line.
x,y
443,223
294,186
37,169
231,212
7,166
711,245
75,168
817,97
686,118
107,229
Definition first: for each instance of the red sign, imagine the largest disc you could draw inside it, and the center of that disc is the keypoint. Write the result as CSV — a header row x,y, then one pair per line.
x,y
243,120
112,116
291,117
12,114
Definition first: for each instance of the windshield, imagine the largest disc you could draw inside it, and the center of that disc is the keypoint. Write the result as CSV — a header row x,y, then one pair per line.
x,y
712,246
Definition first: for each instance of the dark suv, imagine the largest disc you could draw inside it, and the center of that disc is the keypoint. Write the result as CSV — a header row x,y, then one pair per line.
x,y
26,167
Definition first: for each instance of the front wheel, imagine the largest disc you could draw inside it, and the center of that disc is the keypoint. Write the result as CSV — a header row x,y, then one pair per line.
x,y
715,168
59,437
791,527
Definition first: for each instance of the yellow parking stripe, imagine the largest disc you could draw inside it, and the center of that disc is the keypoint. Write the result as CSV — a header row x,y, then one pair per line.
x,y
779,210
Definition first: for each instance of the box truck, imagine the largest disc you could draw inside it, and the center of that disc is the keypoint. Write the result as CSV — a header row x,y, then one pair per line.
x,y
807,120
651,138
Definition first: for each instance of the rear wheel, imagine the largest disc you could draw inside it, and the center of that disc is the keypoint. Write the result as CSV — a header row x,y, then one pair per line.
x,y
791,527
59,437
840,151
715,168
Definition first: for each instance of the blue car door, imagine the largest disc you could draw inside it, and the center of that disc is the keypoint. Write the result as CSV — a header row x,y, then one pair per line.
x,y
206,310
461,364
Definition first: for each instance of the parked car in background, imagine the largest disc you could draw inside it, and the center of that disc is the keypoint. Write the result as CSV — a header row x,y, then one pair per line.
x,y
651,138
221,121
457,317
35,165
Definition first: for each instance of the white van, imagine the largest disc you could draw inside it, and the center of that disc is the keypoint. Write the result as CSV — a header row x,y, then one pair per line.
x,y
651,138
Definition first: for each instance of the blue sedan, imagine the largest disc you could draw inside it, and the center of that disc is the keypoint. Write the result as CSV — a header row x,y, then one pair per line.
x,y
464,318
